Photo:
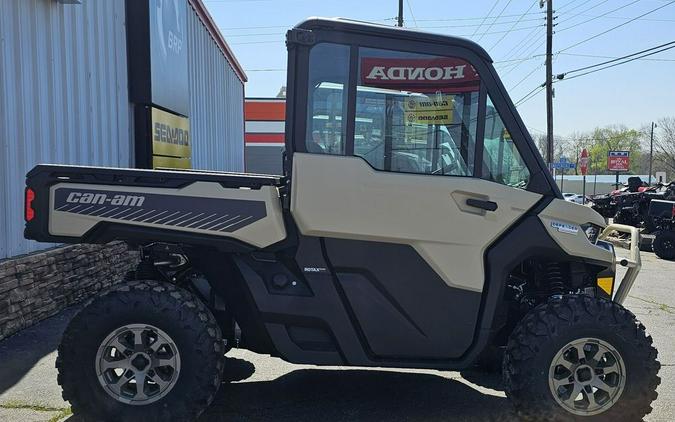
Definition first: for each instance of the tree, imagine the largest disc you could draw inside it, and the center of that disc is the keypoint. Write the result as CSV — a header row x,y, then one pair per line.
x,y
664,145
614,138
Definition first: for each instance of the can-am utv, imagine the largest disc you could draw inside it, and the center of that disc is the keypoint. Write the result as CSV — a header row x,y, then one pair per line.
x,y
416,226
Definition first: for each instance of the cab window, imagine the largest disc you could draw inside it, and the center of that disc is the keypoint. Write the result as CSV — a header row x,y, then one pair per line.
x,y
416,113
502,163
328,75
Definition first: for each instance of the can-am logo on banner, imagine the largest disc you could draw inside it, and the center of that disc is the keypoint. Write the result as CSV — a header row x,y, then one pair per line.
x,y
442,74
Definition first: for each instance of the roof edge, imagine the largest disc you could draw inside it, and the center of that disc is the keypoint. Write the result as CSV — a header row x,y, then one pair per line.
x,y
215,33
377,29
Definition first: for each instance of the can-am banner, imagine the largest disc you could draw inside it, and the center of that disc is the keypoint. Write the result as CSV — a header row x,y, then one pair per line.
x,y
440,74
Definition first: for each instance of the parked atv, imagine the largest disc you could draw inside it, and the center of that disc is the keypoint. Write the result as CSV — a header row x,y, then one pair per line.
x,y
663,214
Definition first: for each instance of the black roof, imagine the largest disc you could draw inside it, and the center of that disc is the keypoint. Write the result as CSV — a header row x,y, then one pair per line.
x,y
349,25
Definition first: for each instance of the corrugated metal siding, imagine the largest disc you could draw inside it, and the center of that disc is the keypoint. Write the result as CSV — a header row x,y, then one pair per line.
x,y
216,103
63,96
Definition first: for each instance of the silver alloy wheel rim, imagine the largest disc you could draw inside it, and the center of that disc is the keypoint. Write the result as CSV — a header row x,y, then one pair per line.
x,y
587,376
137,364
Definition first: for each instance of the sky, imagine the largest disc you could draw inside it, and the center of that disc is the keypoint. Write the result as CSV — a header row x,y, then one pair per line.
x,y
513,33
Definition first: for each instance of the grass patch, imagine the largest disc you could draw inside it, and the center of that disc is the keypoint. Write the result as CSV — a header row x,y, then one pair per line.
x,y
662,306
62,414
30,406
18,405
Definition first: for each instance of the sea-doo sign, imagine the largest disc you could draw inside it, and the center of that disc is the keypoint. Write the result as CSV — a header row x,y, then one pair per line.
x,y
444,74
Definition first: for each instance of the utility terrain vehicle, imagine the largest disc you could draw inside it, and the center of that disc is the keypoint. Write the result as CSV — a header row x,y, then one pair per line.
x,y
415,226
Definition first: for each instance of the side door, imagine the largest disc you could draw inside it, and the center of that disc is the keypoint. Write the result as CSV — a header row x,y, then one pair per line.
x,y
406,171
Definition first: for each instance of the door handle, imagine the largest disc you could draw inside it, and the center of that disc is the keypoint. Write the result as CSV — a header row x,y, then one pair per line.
x,y
485,205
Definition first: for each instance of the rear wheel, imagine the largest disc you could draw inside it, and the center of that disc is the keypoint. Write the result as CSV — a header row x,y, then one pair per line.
x,y
145,351
664,244
581,358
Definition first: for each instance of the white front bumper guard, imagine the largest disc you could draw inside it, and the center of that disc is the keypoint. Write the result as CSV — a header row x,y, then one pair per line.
x,y
633,262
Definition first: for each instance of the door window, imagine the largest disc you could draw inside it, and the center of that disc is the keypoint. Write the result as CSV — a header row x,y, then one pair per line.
x,y
416,113
328,75
502,163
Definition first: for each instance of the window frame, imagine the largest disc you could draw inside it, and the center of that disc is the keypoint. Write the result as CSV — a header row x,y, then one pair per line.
x,y
298,70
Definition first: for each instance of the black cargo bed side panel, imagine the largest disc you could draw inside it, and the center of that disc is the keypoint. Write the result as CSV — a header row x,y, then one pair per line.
x,y
48,174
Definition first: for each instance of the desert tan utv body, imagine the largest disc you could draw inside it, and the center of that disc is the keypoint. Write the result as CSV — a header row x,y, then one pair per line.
x,y
415,226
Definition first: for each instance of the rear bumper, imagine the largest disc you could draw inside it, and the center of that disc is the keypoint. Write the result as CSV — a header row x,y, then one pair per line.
x,y
633,262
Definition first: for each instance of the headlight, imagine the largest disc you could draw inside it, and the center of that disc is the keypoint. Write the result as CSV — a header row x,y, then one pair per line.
x,y
592,231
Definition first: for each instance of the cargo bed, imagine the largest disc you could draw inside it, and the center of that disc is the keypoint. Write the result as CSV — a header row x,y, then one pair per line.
x,y
98,204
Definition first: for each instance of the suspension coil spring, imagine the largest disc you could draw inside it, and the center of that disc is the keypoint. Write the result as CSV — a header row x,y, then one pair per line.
x,y
554,276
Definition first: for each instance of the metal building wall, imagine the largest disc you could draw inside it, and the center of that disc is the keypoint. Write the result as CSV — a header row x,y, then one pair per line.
x,y
216,103
63,96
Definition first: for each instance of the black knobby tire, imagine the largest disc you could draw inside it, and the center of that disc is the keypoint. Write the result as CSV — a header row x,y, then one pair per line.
x,y
664,244
173,310
549,328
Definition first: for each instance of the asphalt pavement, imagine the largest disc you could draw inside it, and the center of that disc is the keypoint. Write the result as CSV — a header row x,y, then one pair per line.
x,y
268,389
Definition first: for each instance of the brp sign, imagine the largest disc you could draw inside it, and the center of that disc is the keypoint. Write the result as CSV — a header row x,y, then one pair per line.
x,y
583,161
618,160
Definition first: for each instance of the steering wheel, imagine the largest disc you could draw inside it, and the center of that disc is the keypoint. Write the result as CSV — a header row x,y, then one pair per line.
x,y
446,169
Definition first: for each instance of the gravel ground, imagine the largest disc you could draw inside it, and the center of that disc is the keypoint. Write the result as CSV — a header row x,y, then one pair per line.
x,y
269,389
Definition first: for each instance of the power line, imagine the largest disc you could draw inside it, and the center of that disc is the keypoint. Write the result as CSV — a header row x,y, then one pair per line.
x,y
491,24
478,18
583,4
486,16
597,17
672,45
514,25
527,76
619,58
471,25
616,27
530,95
569,4
528,41
411,12
595,56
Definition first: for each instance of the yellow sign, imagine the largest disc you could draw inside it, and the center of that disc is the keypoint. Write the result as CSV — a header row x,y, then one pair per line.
x,y
171,143
434,110
159,161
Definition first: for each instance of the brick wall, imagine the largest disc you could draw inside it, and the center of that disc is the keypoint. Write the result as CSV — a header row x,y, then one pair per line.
x,y
37,286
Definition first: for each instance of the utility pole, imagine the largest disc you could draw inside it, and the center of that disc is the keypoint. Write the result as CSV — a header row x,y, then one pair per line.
x,y
651,153
400,13
549,82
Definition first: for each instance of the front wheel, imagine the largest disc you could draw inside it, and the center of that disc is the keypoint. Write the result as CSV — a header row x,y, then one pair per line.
x,y
145,351
664,244
581,358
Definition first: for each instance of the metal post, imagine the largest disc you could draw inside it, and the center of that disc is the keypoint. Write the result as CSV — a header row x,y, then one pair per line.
x,y
549,82
583,193
400,13
617,180
651,154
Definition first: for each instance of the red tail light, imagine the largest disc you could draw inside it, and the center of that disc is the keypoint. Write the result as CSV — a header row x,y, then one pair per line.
x,y
30,212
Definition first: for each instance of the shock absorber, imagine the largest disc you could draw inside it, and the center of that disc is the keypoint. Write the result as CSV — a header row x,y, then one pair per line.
x,y
554,277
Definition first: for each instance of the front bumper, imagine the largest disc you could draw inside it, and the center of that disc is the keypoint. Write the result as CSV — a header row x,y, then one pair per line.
x,y
633,262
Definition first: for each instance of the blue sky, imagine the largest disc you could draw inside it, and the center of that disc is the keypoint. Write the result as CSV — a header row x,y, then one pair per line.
x,y
632,94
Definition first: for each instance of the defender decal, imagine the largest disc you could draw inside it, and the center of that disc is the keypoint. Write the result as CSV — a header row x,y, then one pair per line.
x,y
565,227
187,212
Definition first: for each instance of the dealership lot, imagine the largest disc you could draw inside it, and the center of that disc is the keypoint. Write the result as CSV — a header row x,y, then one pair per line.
x,y
268,389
